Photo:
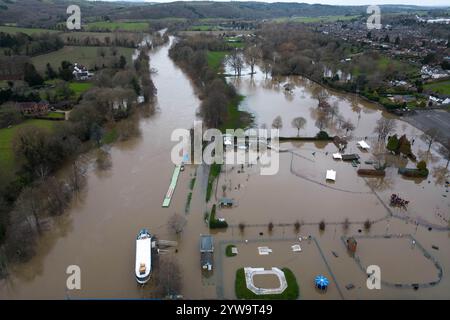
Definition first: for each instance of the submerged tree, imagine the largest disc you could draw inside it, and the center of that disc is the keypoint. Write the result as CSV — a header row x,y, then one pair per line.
x,y
322,225
298,123
176,223
252,55
169,277
384,127
430,136
348,125
277,123
445,151
236,61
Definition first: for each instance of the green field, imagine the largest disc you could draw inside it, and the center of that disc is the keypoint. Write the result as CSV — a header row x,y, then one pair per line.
x,y
29,31
80,87
122,26
203,28
55,115
442,87
87,56
315,19
236,44
291,292
383,62
7,162
215,59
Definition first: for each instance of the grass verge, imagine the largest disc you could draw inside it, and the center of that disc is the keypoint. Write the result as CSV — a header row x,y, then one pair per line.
x,y
214,172
215,223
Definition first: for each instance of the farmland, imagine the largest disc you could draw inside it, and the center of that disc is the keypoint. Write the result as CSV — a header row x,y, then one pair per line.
x,y
122,26
442,87
87,56
29,31
6,137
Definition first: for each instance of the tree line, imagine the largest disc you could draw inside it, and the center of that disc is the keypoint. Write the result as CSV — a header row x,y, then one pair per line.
x,y
29,45
216,94
35,195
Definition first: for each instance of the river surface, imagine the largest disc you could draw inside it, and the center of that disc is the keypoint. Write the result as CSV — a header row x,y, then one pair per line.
x,y
98,232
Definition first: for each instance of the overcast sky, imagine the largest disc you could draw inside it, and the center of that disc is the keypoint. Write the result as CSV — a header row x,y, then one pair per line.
x,y
353,2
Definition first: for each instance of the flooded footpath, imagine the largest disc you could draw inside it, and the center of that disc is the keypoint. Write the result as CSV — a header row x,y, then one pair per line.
x,y
98,232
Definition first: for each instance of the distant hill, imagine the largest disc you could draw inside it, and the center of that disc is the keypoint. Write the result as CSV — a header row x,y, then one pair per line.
x,y
46,13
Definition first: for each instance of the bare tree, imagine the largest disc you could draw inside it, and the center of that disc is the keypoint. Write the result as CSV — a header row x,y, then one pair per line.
x,y
322,225
77,176
236,62
348,125
103,160
384,127
176,223
252,55
322,118
430,136
298,123
266,67
346,224
21,239
29,207
445,151
57,196
277,123
169,277
334,110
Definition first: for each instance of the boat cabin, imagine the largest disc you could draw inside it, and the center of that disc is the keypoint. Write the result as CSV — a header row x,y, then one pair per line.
x,y
350,157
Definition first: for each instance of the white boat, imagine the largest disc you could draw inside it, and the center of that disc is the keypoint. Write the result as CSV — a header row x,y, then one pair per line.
x,y
143,266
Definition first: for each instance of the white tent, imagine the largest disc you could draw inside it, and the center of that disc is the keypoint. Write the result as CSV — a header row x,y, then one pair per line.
x,y
264,251
228,139
331,175
363,145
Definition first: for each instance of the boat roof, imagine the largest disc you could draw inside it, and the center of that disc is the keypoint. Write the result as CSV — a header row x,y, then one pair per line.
x,y
206,243
143,255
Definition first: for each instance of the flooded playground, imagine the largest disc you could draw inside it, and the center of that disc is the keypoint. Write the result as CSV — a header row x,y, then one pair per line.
x,y
410,246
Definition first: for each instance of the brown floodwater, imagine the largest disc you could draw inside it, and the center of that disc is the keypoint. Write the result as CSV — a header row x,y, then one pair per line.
x,y
98,232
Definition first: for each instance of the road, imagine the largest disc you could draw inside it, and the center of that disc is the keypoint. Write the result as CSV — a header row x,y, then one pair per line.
x,y
428,119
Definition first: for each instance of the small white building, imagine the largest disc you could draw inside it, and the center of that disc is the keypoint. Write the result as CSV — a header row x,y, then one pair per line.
x,y
331,175
363,145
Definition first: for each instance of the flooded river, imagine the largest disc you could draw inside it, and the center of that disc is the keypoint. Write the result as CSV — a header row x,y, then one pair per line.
x,y
98,232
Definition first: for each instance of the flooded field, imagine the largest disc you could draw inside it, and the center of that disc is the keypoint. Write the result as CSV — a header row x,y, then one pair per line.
x,y
99,230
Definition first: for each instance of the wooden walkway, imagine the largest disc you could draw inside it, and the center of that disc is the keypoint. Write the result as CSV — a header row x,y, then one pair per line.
x,y
173,184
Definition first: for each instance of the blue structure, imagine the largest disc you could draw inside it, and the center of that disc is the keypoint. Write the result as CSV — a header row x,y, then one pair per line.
x,y
321,282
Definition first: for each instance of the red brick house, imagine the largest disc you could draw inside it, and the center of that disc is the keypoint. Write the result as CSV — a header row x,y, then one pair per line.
x,y
33,108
